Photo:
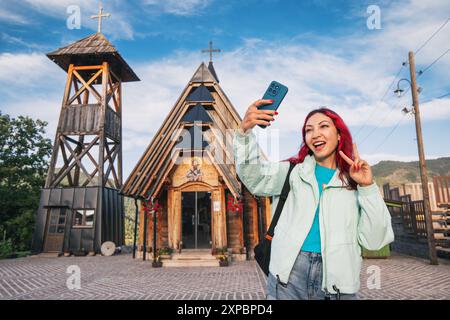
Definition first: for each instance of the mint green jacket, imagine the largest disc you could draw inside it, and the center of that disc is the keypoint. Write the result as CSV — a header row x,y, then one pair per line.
x,y
348,219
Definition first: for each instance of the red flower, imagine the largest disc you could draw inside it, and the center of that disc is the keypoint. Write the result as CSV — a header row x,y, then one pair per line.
x,y
234,205
150,207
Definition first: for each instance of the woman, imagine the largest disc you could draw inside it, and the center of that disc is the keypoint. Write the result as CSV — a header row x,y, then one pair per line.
x,y
333,207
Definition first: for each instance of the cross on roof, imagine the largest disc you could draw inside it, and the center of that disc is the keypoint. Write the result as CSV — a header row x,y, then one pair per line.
x,y
100,16
210,50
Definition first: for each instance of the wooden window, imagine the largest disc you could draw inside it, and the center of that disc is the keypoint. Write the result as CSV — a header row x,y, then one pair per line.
x,y
83,218
57,221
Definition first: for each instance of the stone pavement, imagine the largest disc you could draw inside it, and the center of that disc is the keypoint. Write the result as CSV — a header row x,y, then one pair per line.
x,y
119,277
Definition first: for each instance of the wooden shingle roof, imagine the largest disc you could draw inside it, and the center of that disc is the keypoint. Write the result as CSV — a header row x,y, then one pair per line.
x,y
93,50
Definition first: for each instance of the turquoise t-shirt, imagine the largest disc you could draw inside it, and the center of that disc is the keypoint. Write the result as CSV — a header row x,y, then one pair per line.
x,y
312,241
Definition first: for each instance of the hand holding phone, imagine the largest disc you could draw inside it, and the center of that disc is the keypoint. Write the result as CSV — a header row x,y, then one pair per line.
x,y
275,92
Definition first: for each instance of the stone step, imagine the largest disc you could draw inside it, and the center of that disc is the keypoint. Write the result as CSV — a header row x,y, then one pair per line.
x,y
195,251
193,257
47,255
191,263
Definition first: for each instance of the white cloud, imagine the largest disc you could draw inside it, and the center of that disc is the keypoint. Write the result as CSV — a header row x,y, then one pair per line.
x,y
27,70
435,109
179,8
22,43
11,17
45,107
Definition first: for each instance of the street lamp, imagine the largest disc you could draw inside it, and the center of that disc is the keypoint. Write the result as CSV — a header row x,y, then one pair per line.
x,y
400,91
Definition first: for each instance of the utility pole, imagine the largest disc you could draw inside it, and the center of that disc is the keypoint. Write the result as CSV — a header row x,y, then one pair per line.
x,y
423,168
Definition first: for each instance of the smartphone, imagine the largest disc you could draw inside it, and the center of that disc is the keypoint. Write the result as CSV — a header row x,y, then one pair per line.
x,y
276,92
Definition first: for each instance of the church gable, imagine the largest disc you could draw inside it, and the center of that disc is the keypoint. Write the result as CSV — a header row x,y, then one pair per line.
x,y
202,105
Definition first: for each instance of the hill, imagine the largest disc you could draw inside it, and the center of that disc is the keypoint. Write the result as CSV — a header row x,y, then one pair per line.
x,y
398,172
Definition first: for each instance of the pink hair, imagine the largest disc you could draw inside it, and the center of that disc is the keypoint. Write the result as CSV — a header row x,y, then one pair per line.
x,y
345,144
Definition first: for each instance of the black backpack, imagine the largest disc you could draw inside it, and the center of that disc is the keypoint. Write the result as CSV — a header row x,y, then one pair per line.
x,y
262,249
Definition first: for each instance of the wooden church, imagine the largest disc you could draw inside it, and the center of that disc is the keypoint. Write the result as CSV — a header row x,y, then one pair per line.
x,y
188,170
80,206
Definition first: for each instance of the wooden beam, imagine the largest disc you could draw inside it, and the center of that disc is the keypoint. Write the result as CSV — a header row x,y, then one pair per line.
x,y
111,156
86,86
66,164
75,85
74,163
54,157
87,67
119,111
76,158
102,140
171,164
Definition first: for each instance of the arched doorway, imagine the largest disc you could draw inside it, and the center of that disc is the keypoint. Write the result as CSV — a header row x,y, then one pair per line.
x,y
196,219
196,215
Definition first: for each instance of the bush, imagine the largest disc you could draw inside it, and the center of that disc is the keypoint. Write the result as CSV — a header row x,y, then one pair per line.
x,y
165,250
221,251
6,248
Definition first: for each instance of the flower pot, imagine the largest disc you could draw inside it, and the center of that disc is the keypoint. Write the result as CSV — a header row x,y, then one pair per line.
x,y
223,263
156,264
79,253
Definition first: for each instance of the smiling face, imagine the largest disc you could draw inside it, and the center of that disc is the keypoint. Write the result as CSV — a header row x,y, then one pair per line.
x,y
322,138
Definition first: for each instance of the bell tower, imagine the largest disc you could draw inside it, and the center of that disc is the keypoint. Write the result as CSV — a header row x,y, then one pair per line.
x,y
80,204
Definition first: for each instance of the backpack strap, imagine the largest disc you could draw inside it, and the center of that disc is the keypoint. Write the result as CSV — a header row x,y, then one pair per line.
x,y
280,205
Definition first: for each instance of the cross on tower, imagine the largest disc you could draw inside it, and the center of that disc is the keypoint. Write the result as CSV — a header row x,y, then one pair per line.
x,y
100,16
210,50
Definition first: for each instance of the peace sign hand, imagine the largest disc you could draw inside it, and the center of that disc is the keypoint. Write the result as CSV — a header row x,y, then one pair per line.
x,y
360,170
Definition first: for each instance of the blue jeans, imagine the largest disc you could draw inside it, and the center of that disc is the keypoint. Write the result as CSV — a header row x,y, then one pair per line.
x,y
304,283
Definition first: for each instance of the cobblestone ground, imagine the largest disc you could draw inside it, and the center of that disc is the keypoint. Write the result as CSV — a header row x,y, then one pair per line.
x,y
121,277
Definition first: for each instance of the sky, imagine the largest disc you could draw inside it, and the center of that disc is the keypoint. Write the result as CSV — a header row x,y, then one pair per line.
x,y
346,55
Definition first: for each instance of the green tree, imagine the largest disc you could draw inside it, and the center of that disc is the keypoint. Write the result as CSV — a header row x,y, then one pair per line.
x,y
130,215
24,153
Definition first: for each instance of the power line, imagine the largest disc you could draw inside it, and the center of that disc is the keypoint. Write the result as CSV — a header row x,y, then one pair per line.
x,y
440,97
421,72
382,98
432,36
389,134
437,98
385,117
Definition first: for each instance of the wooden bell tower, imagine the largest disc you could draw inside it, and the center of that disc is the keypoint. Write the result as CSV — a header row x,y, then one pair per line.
x,y
80,204
89,123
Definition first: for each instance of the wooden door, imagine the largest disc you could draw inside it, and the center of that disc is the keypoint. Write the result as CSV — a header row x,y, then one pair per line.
x,y
56,224
196,220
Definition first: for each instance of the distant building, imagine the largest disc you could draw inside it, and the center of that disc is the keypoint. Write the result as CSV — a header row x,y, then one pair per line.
x,y
415,190
442,187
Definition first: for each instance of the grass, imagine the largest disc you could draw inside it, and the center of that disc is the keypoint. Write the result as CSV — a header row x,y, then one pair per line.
x,y
14,255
